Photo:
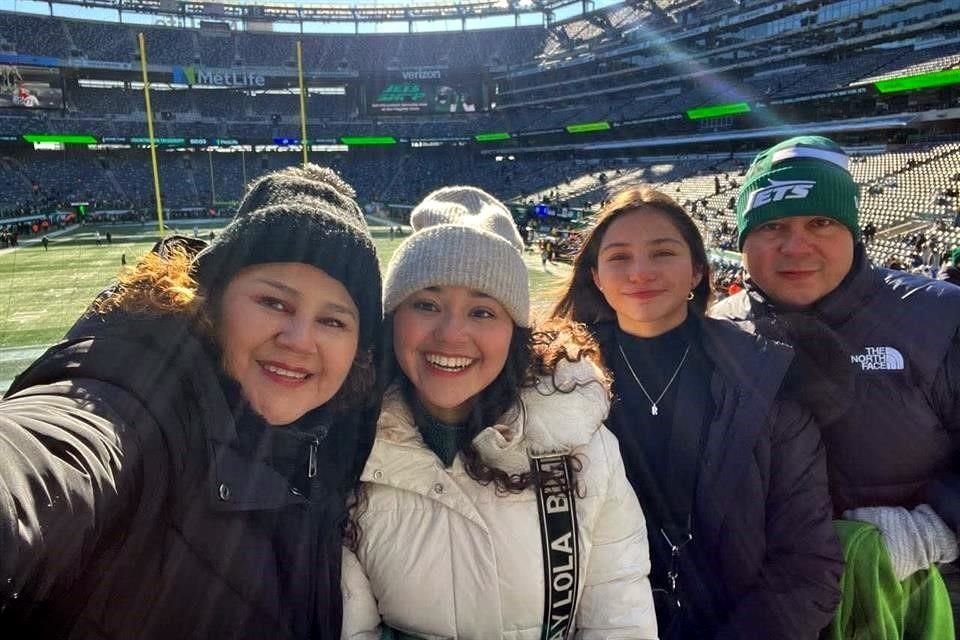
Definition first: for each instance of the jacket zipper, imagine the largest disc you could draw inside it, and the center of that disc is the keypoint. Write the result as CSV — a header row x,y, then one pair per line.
x,y
312,460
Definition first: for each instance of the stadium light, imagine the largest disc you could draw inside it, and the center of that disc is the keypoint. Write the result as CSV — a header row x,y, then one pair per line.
x,y
491,137
62,138
718,110
368,141
588,127
919,81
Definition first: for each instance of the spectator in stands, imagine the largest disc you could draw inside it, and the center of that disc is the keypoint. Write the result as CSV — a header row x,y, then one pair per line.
x,y
927,254
892,448
452,544
950,272
736,286
179,467
545,251
728,467
894,263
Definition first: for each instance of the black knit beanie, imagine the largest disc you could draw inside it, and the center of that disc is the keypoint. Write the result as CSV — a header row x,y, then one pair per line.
x,y
300,214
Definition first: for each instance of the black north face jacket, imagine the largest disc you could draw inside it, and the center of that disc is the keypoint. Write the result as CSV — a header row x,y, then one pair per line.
x,y
129,507
897,440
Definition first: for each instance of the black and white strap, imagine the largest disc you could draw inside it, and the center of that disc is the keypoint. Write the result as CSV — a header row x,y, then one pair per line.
x,y
556,501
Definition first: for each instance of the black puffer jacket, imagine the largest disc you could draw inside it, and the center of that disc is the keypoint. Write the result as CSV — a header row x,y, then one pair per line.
x,y
768,562
900,336
140,499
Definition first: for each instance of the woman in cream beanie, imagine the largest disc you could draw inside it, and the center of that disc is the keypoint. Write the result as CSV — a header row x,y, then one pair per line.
x,y
495,502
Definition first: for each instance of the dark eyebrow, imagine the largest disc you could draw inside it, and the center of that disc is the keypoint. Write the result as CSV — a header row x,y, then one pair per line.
x,y
279,285
339,308
473,292
334,307
618,245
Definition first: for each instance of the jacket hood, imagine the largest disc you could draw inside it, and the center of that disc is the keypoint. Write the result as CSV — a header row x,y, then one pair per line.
x,y
558,414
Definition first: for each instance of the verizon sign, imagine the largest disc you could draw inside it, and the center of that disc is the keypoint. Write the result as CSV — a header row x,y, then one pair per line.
x,y
421,74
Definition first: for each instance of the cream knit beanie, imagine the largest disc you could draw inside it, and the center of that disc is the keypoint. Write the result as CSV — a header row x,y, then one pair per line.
x,y
462,237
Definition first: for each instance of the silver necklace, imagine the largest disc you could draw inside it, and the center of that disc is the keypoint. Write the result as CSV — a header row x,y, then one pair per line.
x,y
653,403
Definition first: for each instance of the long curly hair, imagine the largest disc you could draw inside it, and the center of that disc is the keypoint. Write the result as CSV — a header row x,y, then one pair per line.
x,y
534,354
158,284
578,297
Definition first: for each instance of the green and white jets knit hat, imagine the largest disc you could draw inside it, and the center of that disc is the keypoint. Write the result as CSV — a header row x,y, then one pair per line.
x,y
802,176
463,237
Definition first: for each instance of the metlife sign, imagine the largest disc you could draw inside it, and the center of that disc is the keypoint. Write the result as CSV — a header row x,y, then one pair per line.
x,y
194,75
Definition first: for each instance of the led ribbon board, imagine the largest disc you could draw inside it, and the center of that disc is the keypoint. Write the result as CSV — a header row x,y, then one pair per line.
x,y
367,140
160,141
919,81
62,138
718,110
587,127
491,137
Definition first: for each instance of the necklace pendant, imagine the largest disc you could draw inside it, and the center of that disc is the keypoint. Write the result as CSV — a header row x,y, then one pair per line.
x,y
653,410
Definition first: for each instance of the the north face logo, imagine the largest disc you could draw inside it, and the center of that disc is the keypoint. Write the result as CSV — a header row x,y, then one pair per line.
x,y
879,359
780,190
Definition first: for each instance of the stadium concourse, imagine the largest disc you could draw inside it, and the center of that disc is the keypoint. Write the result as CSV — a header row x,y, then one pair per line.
x,y
551,106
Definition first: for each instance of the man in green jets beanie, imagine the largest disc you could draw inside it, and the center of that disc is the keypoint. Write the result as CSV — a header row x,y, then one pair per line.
x,y
800,184
950,272
878,350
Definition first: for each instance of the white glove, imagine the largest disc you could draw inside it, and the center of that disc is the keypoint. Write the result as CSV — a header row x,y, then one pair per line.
x,y
914,539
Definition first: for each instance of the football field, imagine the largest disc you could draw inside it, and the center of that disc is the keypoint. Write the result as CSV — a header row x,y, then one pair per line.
x,y
42,292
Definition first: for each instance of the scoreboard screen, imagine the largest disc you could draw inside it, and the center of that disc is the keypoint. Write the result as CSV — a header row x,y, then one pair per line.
x,y
25,87
409,92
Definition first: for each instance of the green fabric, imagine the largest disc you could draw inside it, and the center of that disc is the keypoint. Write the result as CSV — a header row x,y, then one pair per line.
x,y
780,186
955,257
389,633
445,440
874,605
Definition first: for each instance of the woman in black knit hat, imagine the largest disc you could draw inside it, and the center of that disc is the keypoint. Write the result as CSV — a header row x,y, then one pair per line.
x,y
180,465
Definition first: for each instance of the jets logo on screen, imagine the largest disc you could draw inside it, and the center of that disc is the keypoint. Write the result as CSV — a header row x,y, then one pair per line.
x,y
780,190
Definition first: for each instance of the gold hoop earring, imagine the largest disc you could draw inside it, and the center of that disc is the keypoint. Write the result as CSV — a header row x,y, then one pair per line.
x,y
690,297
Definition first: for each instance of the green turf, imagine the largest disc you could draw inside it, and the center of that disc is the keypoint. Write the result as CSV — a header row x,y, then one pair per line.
x,y
43,292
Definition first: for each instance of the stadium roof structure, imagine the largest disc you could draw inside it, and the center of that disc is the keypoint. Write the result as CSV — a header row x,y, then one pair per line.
x,y
346,11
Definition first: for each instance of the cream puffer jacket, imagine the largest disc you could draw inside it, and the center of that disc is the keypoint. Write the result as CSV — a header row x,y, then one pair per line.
x,y
442,556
